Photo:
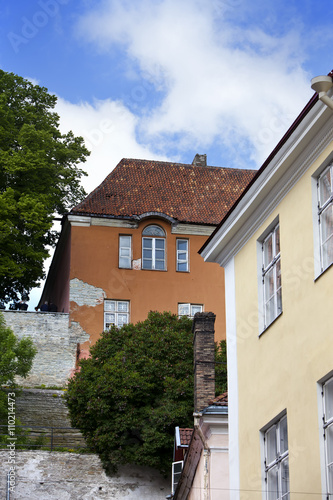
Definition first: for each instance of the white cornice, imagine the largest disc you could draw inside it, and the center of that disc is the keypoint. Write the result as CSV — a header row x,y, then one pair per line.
x,y
295,157
192,229
84,220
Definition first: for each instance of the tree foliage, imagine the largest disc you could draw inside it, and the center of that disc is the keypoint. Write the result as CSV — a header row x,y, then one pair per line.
x,y
133,391
38,178
16,357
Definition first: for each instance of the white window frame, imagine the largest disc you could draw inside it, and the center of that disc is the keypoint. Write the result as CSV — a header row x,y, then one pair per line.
x,y
125,251
120,309
176,475
182,256
327,419
270,270
190,309
275,463
155,234
324,206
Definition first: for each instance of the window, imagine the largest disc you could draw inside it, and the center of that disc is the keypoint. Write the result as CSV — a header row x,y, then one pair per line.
x,y
271,276
125,252
116,312
189,309
153,248
277,461
182,255
328,432
177,468
325,216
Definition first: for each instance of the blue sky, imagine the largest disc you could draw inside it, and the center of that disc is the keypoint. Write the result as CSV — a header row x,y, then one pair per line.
x,y
166,79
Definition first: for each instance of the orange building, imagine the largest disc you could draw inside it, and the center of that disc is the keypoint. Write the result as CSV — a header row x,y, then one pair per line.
x,y
132,246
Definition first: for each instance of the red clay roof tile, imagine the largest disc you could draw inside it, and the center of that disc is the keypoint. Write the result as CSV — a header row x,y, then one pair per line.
x,y
187,193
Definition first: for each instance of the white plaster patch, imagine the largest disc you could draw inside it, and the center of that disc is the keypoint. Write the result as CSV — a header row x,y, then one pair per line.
x,y
84,294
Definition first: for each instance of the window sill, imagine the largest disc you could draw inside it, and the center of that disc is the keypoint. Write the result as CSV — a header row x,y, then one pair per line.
x,y
323,272
272,323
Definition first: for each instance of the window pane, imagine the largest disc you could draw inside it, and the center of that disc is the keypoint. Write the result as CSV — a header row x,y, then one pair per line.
x,y
147,254
122,306
125,241
271,445
195,309
109,305
147,264
124,262
273,484
268,250
328,392
325,186
269,284
159,254
327,235
147,243
153,231
110,318
122,319
329,443
277,241
182,266
125,252
182,245
330,478
285,477
183,309
159,264
283,435
159,243
182,256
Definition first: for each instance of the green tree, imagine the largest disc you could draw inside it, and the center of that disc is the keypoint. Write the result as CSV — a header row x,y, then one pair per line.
x,y
133,391
135,388
221,383
39,177
16,357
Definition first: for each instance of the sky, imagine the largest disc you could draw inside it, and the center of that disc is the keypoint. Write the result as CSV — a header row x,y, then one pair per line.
x,y
166,79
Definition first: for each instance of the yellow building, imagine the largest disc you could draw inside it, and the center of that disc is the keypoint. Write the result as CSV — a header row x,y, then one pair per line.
x,y
276,245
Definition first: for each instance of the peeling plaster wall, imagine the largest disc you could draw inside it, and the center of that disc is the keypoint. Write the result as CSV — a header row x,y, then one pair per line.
x,y
84,294
71,476
56,345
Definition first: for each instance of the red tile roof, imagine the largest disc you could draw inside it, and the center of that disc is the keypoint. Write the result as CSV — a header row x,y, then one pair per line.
x,y
221,400
185,436
187,193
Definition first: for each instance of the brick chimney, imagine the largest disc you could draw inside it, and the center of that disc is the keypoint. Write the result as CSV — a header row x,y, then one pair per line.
x,y
200,161
204,360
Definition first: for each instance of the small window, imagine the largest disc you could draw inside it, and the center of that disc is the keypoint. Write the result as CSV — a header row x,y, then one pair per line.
x,y
125,251
182,255
277,461
177,468
271,276
325,216
153,248
116,312
328,432
186,309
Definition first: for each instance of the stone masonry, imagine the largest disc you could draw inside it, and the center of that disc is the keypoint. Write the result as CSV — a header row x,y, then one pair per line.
x,y
55,341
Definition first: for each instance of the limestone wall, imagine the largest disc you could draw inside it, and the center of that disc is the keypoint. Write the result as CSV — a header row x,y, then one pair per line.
x,y
70,476
55,341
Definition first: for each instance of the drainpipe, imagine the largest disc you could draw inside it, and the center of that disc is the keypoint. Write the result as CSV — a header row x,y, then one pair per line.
x,y
321,85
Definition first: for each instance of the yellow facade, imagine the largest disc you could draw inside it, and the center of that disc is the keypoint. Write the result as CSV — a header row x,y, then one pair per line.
x,y
279,369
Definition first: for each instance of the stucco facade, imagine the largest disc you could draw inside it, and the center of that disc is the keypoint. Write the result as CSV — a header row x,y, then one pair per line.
x,y
101,261
277,369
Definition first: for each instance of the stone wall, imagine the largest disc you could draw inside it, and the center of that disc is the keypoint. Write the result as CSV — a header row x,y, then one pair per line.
x,y
55,341
70,476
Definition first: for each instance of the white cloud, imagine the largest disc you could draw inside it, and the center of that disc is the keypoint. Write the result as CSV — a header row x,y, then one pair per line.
x,y
109,130
221,82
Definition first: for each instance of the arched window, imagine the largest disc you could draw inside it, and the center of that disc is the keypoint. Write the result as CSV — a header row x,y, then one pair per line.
x,y
153,248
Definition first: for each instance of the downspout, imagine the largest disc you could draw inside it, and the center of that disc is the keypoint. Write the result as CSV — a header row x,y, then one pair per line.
x,y
206,457
321,85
